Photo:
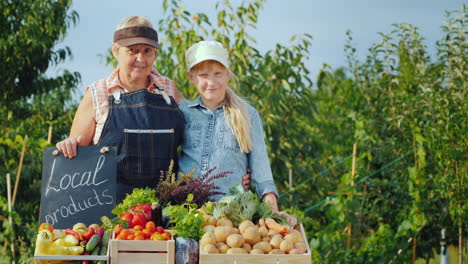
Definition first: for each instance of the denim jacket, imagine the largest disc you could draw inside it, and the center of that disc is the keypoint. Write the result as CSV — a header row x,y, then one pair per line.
x,y
209,142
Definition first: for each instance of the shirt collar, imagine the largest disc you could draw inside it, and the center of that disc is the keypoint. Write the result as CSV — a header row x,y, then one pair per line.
x,y
113,81
199,102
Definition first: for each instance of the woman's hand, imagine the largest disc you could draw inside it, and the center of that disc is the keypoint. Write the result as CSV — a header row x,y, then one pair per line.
x,y
69,146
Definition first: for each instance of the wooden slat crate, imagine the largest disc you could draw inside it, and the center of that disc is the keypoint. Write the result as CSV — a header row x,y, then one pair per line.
x,y
306,258
142,251
53,259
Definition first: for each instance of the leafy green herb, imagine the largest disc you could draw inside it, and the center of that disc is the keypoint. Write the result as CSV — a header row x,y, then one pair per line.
x,y
138,196
187,219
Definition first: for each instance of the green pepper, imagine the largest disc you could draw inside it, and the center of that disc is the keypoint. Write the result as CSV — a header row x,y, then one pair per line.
x,y
43,242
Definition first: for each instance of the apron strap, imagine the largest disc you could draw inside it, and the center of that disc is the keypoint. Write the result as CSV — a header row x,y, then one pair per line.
x,y
116,93
163,93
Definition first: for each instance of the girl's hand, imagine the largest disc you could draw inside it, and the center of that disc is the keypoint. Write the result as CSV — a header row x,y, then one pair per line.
x,y
69,146
246,179
291,219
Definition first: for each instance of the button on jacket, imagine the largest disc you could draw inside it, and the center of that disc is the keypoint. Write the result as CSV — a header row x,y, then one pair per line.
x,y
209,142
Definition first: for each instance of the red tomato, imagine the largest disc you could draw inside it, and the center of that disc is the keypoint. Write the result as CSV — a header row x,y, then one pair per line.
x,y
137,228
156,237
118,229
160,229
127,217
139,238
166,236
139,219
146,233
131,237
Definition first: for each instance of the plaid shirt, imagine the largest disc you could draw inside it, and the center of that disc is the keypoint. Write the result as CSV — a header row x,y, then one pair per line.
x,y
101,90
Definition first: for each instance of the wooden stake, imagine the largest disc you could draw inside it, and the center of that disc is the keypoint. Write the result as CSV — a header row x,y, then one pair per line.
x,y
290,188
413,259
12,246
353,173
20,166
49,137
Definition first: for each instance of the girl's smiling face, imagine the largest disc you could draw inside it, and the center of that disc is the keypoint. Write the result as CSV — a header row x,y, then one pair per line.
x,y
210,78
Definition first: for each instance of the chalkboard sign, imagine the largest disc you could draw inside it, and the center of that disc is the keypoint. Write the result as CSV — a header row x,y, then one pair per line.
x,y
81,189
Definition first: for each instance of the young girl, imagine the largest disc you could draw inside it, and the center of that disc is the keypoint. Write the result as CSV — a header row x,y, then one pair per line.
x,y
221,129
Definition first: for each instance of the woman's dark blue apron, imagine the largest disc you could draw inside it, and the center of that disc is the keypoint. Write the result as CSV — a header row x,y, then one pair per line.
x,y
146,128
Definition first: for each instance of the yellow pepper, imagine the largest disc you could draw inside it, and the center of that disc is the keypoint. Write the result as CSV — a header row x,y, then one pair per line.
x,y
43,242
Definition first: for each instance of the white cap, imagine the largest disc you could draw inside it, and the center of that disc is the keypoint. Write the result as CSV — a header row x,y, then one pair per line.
x,y
206,50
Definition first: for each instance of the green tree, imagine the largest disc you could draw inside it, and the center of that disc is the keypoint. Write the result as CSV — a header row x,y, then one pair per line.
x,y
33,104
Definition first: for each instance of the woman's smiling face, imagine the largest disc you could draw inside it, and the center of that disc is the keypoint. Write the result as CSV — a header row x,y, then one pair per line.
x,y
136,61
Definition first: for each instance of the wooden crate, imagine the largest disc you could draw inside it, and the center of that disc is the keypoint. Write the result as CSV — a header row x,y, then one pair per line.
x,y
53,259
142,251
306,258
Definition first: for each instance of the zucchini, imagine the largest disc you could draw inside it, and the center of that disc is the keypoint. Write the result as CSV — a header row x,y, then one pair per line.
x,y
92,243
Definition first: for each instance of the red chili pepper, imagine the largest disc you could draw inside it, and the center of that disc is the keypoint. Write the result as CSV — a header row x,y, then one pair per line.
x,y
69,231
88,233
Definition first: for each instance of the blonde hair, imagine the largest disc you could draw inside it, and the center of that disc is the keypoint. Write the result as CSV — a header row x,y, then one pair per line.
x,y
235,112
237,118
132,21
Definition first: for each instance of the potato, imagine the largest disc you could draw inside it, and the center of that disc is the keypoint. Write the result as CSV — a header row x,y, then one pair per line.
x,y
235,240
247,247
301,245
272,233
263,231
264,246
276,241
276,251
209,220
221,233
210,249
244,225
297,251
256,251
266,239
251,235
292,238
222,247
298,235
234,230
286,245
208,228
208,239
236,251
224,222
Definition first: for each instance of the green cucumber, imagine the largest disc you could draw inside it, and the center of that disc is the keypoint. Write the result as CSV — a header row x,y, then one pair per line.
x,y
95,250
92,243
104,244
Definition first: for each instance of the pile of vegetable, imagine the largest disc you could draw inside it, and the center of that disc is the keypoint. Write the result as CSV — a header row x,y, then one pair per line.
x,y
79,240
147,232
135,210
267,237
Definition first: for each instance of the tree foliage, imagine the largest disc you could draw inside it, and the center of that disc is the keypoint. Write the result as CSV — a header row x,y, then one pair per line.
x,y
32,104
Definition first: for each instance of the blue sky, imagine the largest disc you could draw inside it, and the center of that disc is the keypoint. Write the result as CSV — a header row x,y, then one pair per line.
x,y
327,21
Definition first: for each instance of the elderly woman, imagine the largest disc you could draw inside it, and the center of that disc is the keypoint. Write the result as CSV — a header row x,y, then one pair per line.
x,y
135,109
